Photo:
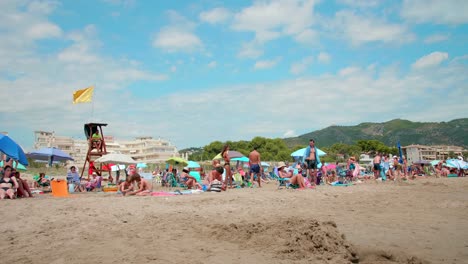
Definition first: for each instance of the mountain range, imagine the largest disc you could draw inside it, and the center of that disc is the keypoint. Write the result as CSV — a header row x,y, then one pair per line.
x,y
454,132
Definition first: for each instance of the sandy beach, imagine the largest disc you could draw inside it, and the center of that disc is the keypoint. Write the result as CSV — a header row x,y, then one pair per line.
x,y
422,221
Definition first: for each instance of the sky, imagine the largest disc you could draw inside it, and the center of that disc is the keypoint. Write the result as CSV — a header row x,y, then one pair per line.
x,y
197,71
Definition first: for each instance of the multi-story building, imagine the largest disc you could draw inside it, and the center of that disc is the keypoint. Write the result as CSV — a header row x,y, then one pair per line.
x,y
142,149
416,153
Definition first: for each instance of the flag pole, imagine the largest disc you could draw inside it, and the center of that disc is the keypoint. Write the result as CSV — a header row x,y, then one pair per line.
x,y
92,104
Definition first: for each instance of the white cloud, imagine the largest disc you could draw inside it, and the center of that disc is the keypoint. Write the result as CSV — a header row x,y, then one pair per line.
x,y
212,64
451,12
124,3
43,30
273,19
290,133
215,16
301,66
173,40
430,60
360,3
266,64
178,36
436,38
360,29
250,50
323,57
308,36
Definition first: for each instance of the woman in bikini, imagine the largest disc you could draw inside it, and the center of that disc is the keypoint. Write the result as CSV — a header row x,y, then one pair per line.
x,y
8,184
227,165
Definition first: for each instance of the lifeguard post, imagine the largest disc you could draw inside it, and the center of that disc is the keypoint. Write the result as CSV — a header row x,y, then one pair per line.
x,y
96,147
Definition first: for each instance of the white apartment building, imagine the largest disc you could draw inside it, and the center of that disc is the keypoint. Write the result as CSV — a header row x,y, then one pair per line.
x,y
141,149
420,152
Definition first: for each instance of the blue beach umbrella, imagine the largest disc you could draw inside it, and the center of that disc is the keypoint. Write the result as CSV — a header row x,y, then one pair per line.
x,y
141,165
10,148
242,159
301,152
50,155
193,164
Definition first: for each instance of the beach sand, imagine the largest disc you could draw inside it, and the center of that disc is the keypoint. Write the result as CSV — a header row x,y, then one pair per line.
x,y
422,221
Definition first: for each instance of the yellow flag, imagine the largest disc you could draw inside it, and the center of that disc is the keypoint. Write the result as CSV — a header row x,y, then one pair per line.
x,y
84,95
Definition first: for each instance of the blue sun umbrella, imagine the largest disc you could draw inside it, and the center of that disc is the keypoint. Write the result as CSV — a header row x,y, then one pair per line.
x,y
193,164
242,159
10,148
50,155
142,165
300,153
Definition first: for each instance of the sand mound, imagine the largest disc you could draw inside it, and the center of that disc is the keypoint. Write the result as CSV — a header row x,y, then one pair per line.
x,y
293,239
304,241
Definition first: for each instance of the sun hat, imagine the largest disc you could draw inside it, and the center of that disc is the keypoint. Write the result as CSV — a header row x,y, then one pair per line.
x,y
281,164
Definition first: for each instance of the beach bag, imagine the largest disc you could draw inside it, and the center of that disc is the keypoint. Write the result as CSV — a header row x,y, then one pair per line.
x,y
216,186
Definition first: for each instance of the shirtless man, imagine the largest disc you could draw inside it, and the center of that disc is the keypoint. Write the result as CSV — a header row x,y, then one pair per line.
x,y
310,158
376,161
255,166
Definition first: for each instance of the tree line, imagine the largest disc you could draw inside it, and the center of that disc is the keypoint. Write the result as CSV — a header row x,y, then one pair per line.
x,y
277,150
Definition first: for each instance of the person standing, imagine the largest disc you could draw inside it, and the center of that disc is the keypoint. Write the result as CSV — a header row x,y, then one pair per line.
x,y
227,166
255,166
312,161
376,167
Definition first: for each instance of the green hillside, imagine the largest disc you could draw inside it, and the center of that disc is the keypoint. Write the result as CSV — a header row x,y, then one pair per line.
x,y
454,132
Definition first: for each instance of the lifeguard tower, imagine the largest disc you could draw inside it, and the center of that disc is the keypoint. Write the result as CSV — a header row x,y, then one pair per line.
x,y
96,146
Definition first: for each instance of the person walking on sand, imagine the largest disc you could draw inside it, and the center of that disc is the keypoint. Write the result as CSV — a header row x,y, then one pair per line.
x,y
312,161
255,166
227,165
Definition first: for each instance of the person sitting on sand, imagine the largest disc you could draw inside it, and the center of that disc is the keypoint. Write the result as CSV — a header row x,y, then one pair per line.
x,y
189,180
42,181
8,184
140,186
217,172
126,186
295,181
23,186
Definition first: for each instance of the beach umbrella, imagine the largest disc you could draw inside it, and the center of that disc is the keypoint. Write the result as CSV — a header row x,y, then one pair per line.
x,y
435,162
301,152
116,158
232,154
20,166
264,164
456,163
193,165
10,148
177,161
142,165
242,159
49,154
196,175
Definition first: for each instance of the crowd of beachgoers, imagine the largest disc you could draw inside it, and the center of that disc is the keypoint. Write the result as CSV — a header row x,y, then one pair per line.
x,y
304,173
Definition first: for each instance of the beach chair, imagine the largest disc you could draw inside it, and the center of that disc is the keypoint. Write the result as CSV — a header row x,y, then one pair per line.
x,y
238,182
282,182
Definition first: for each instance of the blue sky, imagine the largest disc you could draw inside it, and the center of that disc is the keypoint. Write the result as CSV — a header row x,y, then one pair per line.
x,y
197,71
